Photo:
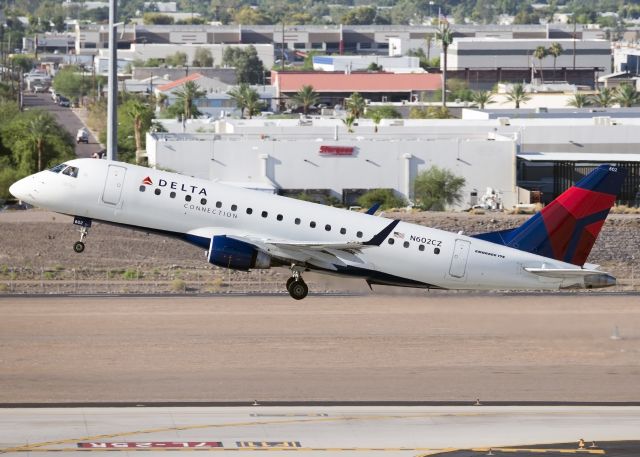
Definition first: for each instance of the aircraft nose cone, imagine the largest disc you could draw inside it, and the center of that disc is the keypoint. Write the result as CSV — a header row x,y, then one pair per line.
x,y
20,189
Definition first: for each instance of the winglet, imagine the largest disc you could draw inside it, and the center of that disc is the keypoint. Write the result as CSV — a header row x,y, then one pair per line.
x,y
371,211
380,237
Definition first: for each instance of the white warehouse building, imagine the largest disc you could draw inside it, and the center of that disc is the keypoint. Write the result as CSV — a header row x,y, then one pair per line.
x,y
286,157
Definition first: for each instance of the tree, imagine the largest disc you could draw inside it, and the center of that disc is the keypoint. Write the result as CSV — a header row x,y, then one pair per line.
x,y
202,58
579,101
348,122
355,105
249,68
540,53
179,59
445,37
249,16
70,82
186,97
140,114
432,112
384,111
387,199
482,98
436,188
39,127
156,19
361,15
23,62
555,50
627,96
247,100
517,95
306,97
604,98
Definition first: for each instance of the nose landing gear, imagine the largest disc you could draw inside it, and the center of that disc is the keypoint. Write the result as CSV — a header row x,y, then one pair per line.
x,y
296,286
84,225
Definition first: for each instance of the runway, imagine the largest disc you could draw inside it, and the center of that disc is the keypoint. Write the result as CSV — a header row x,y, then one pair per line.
x,y
393,348
354,431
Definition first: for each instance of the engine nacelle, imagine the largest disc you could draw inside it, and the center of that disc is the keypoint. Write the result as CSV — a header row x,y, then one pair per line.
x,y
230,253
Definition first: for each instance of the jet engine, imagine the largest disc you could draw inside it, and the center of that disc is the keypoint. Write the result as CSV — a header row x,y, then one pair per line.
x,y
231,253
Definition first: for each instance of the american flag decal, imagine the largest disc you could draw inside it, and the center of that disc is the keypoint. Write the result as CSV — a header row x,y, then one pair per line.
x,y
398,235
147,181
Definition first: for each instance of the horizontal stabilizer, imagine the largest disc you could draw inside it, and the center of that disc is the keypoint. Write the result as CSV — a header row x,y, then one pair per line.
x,y
590,279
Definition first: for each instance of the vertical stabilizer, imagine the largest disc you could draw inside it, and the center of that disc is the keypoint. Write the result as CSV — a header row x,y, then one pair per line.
x,y
567,228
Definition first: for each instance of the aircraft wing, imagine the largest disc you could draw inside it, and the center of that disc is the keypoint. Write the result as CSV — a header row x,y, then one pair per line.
x,y
324,254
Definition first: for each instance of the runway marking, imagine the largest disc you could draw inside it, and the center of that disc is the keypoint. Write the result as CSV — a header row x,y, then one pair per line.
x,y
429,451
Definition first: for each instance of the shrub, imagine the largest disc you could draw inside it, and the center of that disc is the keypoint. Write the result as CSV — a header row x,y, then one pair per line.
x,y
178,285
436,188
386,197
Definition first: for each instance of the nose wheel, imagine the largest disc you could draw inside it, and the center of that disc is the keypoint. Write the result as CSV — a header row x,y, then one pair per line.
x,y
84,225
296,286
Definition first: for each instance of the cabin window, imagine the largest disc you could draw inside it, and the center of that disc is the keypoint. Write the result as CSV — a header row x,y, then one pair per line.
x,y
391,241
327,228
59,168
406,244
234,207
249,211
421,247
187,198
143,188
157,191
343,231
203,201
172,195
279,217
297,221
218,204
436,251
359,234
265,214
312,224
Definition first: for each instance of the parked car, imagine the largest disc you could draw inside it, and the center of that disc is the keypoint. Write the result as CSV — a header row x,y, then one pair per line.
x,y
82,136
64,101
37,88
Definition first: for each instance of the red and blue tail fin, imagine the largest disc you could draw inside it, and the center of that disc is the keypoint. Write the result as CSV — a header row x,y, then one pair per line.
x,y
567,228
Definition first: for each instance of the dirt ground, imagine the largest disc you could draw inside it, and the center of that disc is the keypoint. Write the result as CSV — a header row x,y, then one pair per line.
x,y
521,347
36,256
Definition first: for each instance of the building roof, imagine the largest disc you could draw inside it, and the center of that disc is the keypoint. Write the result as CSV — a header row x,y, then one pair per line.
x,y
357,82
179,82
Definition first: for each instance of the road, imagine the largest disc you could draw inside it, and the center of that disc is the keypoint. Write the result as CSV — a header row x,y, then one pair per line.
x,y
65,117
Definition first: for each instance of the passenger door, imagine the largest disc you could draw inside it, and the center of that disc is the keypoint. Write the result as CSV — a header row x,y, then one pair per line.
x,y
458,266
113,184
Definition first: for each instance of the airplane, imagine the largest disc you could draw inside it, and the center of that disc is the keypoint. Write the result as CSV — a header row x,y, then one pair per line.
x,y
244,229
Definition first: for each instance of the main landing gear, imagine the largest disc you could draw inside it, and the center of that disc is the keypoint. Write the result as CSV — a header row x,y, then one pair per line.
x,y
296,286
84,225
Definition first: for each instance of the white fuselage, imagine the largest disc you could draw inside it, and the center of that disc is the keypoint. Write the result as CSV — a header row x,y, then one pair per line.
x,y
172,203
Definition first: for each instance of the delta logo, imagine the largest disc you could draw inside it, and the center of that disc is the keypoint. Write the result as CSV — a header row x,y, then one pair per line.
x,y
147,181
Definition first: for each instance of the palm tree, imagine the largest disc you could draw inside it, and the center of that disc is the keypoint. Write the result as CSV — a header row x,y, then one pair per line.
x,y
187,95
540,53
376,117
482,97
555,50
517,95
579,101
626,95
445,37
604,98
238,95
306,97
348,121
41,125
355,105
139,113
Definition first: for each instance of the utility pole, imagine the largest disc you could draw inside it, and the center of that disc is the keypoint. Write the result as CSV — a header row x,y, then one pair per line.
x,y
282,55
112,93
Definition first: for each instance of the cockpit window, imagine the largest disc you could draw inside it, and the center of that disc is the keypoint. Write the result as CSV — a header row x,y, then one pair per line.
x,y
71,171
59,168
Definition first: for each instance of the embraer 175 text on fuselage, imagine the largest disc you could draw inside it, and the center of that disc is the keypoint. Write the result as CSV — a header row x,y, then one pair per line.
x,y
244,229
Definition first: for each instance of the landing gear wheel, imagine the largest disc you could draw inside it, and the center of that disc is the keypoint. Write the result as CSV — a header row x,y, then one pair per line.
x,y
289,281
78,246
298,289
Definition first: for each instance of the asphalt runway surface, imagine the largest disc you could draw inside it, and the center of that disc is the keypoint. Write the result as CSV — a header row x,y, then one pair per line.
x,y
370,348
401,431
